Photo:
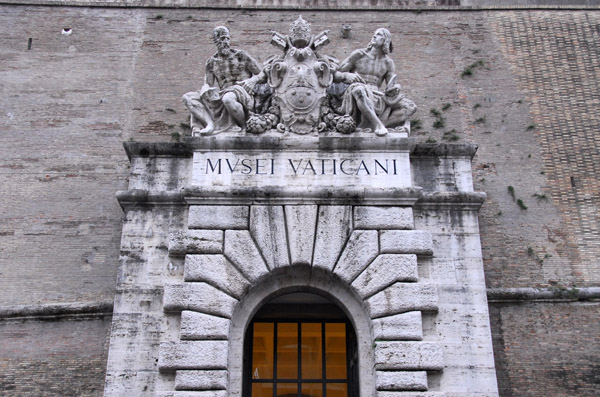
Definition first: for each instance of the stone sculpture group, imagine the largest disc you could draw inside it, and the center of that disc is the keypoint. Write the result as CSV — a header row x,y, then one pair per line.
x,y
301,90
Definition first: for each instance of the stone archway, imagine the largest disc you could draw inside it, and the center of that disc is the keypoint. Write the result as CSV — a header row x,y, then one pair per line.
x,y
301,279
363,258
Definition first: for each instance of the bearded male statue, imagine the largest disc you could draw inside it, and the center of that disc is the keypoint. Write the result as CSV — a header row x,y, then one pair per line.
x,y
366,70
222,103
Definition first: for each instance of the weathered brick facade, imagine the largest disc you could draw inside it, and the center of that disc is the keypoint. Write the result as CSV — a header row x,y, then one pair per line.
x,y
520,83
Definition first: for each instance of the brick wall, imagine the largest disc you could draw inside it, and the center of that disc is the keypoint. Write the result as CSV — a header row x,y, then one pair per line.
x,y
546,349
520,84
65,357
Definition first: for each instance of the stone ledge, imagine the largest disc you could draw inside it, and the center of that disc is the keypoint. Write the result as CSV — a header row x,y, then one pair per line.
x,y
443,150
149,149
57,309
276,195
542,294
357,6
465,200
142,197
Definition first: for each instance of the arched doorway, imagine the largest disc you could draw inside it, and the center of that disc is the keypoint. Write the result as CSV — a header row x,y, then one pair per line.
x,y
300,345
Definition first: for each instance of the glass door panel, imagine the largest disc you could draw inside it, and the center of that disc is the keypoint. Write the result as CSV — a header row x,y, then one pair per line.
x,y
287,390
312,351
287,351
335,351
312,390
262,390
337,390
262,351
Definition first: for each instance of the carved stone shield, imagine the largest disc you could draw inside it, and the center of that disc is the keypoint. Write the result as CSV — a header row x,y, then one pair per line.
x,y
299,82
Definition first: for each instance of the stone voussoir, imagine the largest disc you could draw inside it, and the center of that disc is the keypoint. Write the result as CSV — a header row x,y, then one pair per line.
x,y
201,380
196,242
200,297
360,251
301,223
381,218
394,355
201,326
267,225
406,242
333,229
385,270
217,271
403,297
218,217
243,253
206,354
402,380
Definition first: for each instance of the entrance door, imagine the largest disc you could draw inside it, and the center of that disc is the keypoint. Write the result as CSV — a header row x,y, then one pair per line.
x,y
291,352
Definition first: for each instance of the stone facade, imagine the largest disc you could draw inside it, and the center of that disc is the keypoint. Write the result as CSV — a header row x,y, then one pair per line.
x,y
403,262
119,76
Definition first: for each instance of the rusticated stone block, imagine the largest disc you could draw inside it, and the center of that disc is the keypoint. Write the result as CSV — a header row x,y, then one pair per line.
x,y
383,218
406,242
206,393
403,297
243,253
206,354
415,394
301,224
408,356
267,225
403,326
195,326
200,297
360,250
217,271
333,229
196,242
218,217
401,380
385,270
201,380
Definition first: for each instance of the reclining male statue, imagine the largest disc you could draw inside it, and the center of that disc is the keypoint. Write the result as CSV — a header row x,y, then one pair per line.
x,y
222,104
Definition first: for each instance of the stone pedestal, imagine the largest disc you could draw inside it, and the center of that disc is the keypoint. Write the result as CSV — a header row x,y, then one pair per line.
x,y
385,229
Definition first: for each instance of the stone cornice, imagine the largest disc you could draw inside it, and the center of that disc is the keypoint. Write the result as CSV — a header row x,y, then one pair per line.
x,y
140,197
323,5
289,195
321,143
56,310
443,150
455,200
553,294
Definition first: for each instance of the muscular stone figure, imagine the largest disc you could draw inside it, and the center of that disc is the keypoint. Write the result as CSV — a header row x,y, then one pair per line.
x,y
366,70
221,103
